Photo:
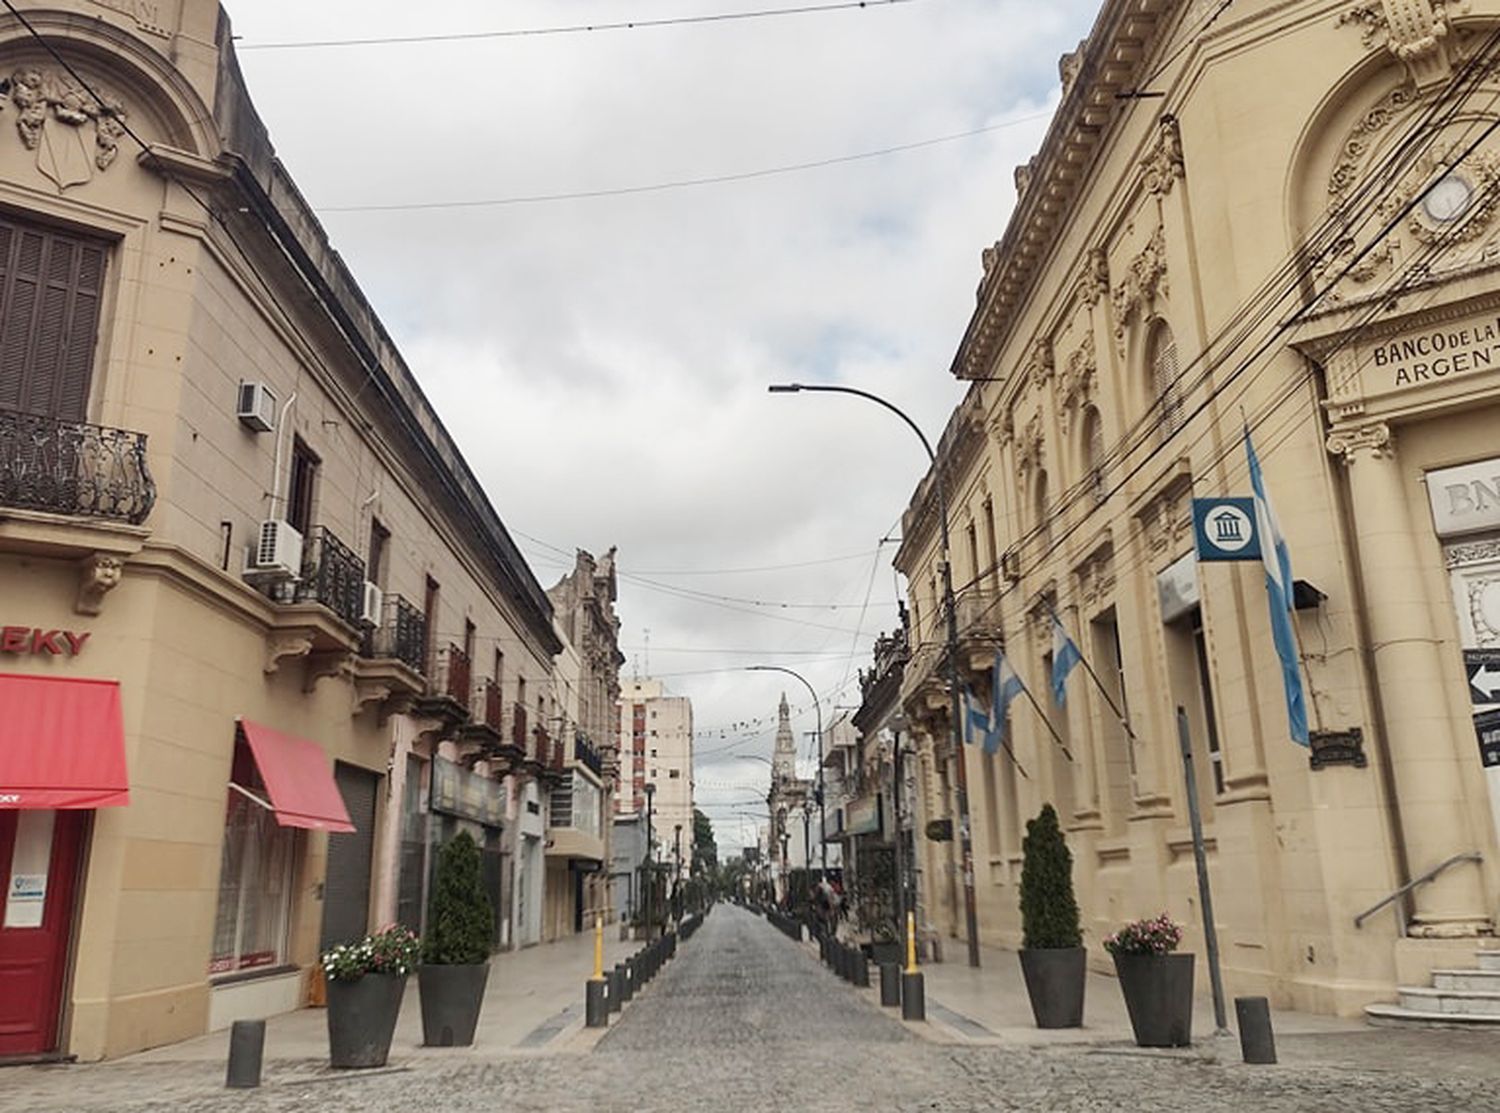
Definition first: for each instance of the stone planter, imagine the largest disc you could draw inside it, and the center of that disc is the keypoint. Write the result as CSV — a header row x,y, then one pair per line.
x,y
1055,979
1158,993
362,1018
451,999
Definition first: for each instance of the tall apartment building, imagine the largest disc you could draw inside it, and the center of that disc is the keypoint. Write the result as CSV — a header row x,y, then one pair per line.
x,y
656,747
265,639
1296,232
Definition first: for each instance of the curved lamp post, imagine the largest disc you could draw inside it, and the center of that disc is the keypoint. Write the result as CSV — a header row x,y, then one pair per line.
x,y
966,842
822,807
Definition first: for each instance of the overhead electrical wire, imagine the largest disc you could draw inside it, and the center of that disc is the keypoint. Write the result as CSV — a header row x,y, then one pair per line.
x,y
572,28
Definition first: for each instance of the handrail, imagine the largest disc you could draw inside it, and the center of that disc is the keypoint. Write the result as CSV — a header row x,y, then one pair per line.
x,y
1470,856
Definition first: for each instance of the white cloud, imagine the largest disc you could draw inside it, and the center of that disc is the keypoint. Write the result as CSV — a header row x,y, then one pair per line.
x,y
603,362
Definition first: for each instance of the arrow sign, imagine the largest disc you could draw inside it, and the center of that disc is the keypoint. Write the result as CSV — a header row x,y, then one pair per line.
x,y
1483,667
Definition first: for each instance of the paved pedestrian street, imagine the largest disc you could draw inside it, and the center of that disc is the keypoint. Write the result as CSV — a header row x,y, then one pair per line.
x,y
744,1018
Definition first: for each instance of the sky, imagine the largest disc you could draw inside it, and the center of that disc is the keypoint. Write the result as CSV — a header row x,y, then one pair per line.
x,y
602,360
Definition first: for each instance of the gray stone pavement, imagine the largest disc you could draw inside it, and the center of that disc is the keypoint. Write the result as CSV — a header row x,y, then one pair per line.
x,y
744,1018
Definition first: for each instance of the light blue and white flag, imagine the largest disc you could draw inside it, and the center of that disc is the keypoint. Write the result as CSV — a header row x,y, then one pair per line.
x,y
1278,562
979,724
1007,687
1065,658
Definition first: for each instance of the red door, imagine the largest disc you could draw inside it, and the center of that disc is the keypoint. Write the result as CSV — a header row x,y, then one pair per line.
x,y
38,869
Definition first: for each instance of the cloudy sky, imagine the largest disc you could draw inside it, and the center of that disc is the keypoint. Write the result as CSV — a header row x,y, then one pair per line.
x,y
603,360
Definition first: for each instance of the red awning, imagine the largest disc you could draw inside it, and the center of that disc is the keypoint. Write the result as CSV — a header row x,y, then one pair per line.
x,y
62,743
298,780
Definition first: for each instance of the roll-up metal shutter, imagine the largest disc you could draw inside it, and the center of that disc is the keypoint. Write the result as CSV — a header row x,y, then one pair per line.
x,y
346,888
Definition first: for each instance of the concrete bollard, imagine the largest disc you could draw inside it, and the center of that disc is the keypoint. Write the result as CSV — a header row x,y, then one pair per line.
x,y
913,997
890,983
596,1003
616,991
247,1046
1257,1041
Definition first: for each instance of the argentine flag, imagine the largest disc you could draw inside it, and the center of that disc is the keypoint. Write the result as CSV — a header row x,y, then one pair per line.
x,y
1007,687
1065,658
979,725
1278,562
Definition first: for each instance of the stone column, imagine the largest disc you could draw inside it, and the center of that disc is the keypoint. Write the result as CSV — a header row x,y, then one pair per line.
x,y
1425,754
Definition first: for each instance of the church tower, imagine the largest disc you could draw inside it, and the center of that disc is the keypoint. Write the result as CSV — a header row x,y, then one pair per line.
x,y
784,756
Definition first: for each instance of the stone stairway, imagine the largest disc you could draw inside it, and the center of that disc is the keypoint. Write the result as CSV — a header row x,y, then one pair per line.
x,y
1456,999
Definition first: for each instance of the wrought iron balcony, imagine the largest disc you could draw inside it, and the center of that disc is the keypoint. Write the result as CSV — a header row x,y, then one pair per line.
x,y
518,736
587,754
332,575
68,467
489,708
402,635
454,678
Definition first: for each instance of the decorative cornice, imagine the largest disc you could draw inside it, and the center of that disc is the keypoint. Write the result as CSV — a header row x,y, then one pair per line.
x,y
1109,63
1375,438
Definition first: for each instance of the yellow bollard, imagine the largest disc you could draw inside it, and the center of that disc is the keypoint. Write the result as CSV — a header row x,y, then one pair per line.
x,y
911,942
598,947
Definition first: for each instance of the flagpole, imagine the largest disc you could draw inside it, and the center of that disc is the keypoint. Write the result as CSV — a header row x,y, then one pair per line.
x,y
1103,691
1052,730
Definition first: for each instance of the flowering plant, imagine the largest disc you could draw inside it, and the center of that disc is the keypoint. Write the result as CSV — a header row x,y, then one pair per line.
x,y
1158,936
391,950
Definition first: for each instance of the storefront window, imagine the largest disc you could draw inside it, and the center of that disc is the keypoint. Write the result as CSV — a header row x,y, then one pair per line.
x,y
255,878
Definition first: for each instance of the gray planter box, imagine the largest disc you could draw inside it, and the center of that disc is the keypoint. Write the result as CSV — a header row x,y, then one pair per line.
x,y
451,999
1158,993
1055,980
362,1019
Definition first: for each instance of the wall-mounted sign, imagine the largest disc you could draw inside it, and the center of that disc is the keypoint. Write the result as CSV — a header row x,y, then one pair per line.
x,y
25,899
1465,499
1177,587
1487,730
457,791
1483,669
1224,529
1455,349
37,641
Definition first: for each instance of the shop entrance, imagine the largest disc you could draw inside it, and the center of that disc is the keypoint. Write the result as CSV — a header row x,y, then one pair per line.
x,y
39,853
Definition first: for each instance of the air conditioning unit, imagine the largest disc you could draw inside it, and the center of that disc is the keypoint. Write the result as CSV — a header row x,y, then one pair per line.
x,y
369,611
256,407
277,550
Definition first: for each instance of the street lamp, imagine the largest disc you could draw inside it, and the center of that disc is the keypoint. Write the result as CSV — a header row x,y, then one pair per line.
x,y
966,842
650,789
818,711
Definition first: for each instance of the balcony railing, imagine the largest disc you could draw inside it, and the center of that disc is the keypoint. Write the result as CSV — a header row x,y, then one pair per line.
x,y
587,754
67,467
489,708
518,736
402,634
454,678
332,575
979,614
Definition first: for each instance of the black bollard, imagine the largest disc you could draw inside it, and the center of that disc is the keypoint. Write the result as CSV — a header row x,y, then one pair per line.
x,y
247,1045
596,1003
616,988
890,983
1257,1041
913,997
861,969
628,985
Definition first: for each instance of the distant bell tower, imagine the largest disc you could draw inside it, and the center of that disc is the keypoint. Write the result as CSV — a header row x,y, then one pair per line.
x,y
784,757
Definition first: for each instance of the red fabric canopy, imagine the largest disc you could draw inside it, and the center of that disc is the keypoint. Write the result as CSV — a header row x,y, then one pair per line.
x,y
298,780
62,743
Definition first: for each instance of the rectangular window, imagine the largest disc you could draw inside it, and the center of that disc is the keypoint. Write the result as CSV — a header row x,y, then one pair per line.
x,y
255,877
469,639
430,617
51,286
674,774
562,802
380,539
302,486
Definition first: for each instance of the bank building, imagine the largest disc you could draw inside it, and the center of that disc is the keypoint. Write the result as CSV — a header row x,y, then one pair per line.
x,y
1280,219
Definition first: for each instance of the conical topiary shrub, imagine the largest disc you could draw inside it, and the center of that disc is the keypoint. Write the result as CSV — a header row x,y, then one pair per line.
x,y
456,950
1053,960
1049,911
459,917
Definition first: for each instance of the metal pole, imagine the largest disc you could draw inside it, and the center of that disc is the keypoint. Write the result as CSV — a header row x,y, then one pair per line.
x,y
896,820
650,879
966,840
1200,860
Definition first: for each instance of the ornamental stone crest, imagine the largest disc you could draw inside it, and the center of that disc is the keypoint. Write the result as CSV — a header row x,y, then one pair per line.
x,y
57,118
1416,32
1145,280
1163,166
1043,363
1093,282
1029,445
1077,379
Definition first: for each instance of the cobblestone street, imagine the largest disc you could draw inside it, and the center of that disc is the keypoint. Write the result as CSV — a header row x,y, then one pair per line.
x,y
743,1018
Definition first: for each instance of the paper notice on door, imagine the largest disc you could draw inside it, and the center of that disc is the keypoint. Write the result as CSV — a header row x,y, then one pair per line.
x,y
25,899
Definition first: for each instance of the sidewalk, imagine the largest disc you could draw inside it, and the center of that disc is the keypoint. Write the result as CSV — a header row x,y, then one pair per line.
x,y
533,999
989,1006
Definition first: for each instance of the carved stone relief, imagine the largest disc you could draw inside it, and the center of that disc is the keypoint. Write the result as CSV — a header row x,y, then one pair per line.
x,y
1163,166
54,118
1145,280
1069,66
98,575
1043,362
1096,579
1417,32
1167,520
147,14
1093,282
1029,445
1078,380
1375,438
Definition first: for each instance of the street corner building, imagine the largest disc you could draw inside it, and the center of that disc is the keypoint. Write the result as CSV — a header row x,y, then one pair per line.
x,y
264,642
1267,228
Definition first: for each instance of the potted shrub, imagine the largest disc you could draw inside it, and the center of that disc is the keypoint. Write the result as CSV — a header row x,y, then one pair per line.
x,y
1053,959
455,955
1157,984
365,980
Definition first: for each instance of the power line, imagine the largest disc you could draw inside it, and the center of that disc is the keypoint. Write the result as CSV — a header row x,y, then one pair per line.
x,y
680,183
572,29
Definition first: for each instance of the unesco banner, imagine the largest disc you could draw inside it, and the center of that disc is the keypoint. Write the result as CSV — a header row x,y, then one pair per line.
x,y
1224,529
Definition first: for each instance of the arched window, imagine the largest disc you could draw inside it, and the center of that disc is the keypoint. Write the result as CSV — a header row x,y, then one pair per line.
x,y
1166,385
1092,437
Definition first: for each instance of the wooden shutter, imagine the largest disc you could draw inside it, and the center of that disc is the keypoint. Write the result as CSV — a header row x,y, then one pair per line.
x,y
50,287
1165,380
